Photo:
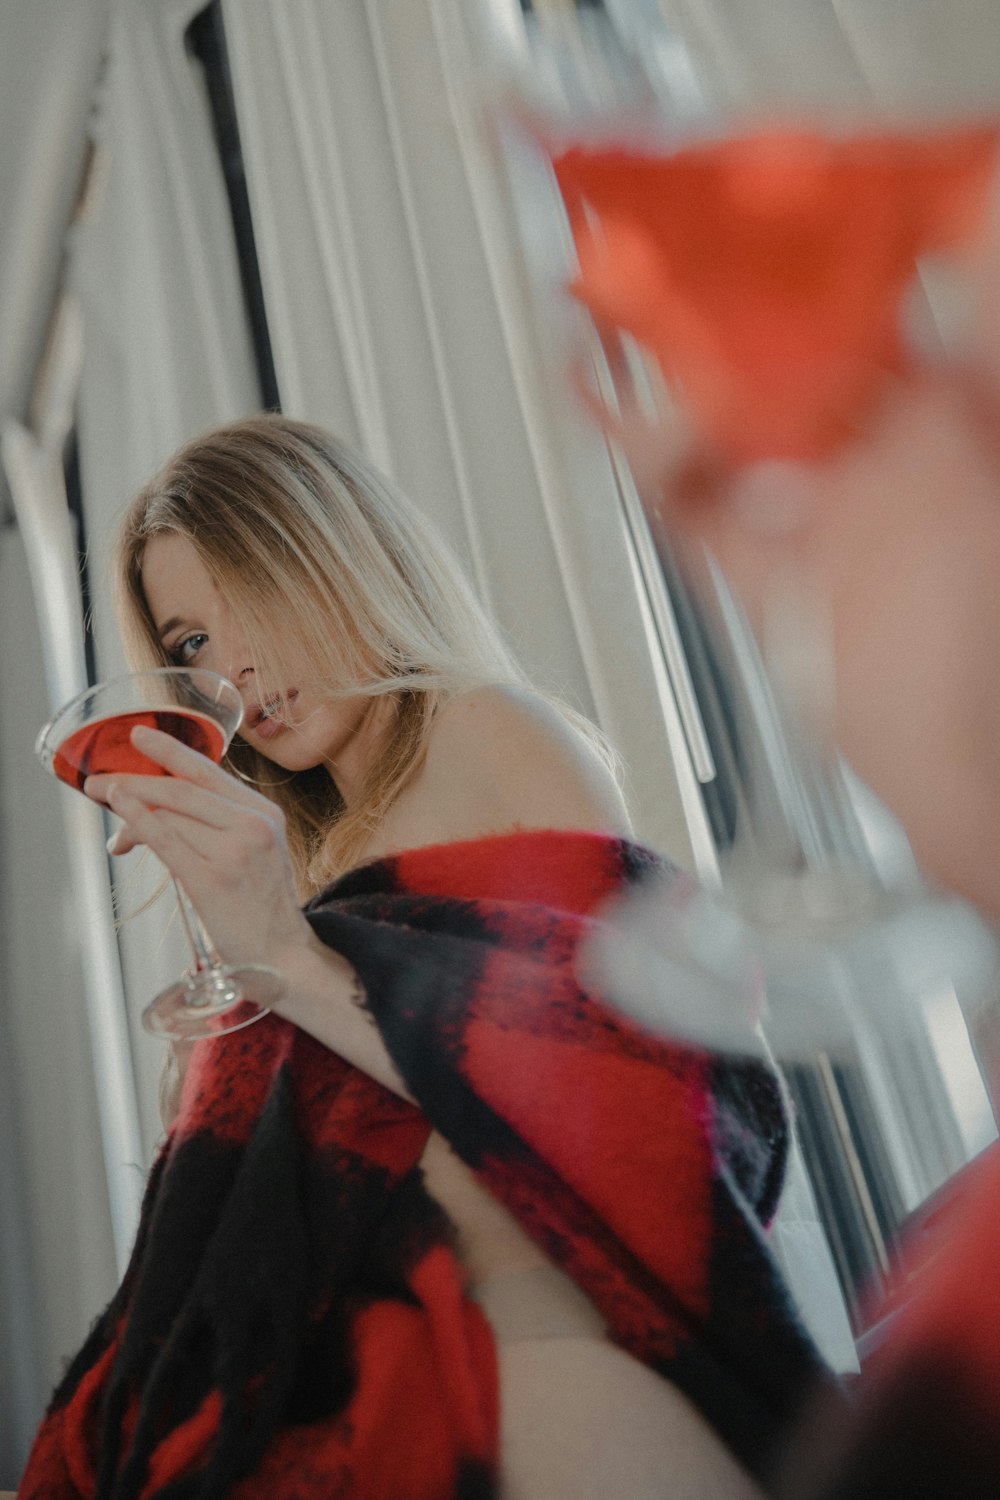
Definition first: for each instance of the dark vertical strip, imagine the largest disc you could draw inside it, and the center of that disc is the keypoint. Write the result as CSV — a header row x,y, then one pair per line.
x,y
74,499
720,796
206,41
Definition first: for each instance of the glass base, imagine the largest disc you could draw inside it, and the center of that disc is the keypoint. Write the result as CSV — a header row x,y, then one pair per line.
x,y
213,1002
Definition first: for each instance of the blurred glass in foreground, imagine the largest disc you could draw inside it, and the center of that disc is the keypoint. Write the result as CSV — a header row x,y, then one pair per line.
x,y
778,216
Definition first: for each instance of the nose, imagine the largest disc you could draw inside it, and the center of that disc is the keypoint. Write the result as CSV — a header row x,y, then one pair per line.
x,y
227,664
228,646
243,678
233,656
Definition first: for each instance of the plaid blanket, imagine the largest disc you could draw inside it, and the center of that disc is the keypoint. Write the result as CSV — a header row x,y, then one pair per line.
x,y
293,1320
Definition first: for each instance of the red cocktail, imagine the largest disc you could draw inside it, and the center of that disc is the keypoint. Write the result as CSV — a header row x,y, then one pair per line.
x,y
767,272
106,745
92,735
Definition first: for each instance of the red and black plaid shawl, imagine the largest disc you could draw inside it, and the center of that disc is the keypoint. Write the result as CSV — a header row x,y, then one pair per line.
x,y
293,1321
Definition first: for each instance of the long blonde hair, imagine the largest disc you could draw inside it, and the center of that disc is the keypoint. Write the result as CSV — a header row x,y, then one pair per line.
x,y
293,525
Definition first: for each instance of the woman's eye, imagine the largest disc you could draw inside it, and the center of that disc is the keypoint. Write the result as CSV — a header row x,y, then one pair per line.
x,y
186,650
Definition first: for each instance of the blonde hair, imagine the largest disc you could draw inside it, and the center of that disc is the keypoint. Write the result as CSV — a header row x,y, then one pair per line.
x,y
291,524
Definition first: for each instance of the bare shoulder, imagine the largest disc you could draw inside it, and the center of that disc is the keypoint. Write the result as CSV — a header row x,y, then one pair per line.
x,y
505,757
500,721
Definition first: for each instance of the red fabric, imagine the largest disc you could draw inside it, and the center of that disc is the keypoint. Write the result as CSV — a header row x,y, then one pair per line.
x,y
424,1403
293,1322
767,272
594,1153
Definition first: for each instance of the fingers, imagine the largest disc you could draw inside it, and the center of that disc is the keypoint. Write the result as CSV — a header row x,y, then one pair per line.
x,y
213,808
149,826
203,800
191,766
204,815
192,848
121,842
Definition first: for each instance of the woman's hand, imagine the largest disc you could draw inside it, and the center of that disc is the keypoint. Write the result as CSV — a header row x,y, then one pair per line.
x,y
226,845
899,532
223,841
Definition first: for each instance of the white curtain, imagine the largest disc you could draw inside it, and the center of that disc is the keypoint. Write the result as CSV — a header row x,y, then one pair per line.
x,y
56,1252
401,318
167,354
57,1262
151,267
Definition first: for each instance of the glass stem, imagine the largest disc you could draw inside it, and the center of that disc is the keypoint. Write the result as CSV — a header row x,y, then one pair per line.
x,y
204,957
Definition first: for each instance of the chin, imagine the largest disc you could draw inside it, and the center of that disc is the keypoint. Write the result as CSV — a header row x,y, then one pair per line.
x,y
292,758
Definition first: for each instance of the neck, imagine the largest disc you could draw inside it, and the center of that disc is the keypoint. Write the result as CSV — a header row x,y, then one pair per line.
x,y
355,758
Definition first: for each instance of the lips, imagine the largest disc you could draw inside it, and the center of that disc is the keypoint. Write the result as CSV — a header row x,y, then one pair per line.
x,y
264,719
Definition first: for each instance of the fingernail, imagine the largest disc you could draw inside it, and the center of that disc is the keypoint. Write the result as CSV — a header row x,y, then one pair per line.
x,y
142,731
112,844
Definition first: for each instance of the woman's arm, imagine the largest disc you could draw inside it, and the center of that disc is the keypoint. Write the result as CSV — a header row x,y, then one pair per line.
x,y
226,845
323,996
497,759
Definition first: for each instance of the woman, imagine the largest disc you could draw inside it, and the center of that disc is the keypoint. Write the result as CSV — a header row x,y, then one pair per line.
x,y
387,734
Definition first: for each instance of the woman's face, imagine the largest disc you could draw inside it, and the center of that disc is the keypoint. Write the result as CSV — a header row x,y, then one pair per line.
x,y
294,726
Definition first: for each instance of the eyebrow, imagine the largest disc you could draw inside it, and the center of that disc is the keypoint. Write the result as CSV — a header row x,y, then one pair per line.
x,y
170,625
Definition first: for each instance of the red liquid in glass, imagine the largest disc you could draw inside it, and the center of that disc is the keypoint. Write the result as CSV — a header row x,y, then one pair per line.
x,y
767,272
105,745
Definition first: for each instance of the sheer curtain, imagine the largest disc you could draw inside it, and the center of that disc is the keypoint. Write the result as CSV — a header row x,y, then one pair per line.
x,y
400,317
167,353
56,1258
149,266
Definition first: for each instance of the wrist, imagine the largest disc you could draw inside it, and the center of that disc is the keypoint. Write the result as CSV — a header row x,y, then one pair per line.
x,y
325,997
311,969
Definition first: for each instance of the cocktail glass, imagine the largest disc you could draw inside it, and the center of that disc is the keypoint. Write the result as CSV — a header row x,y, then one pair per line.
x,y
91,735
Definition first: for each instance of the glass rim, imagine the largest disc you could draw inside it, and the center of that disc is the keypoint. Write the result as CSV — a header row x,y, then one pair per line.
x,y
653,133
632,74
45,750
